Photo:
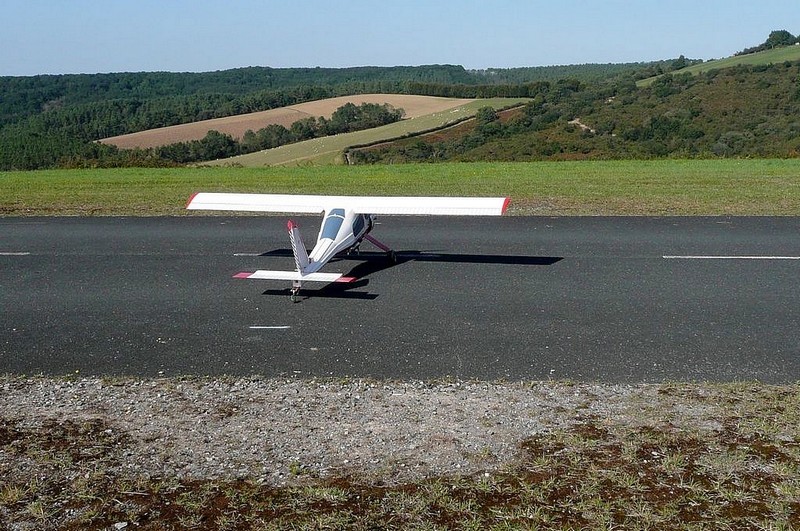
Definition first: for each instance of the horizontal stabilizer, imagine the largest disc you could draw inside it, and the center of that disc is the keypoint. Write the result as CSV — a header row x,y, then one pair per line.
x,y
294,275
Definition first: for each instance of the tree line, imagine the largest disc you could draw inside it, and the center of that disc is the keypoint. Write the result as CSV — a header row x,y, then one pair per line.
x,y
246,89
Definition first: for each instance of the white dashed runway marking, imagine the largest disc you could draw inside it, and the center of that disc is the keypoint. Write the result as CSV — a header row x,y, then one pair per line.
x,y
667,257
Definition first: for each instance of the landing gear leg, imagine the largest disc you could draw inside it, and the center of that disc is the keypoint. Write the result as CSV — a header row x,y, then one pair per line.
x,y
294,291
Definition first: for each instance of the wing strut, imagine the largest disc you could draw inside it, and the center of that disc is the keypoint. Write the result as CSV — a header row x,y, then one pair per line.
x,y
382,246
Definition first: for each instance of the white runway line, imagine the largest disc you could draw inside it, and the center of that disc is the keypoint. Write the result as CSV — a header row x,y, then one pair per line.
x,y
667,257
282,327
2,253
247,254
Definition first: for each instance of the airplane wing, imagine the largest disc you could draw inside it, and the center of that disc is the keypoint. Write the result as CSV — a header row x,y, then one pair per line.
x,y
315,204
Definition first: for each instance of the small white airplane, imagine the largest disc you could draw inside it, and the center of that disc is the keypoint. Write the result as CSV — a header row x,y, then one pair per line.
x,y
347,221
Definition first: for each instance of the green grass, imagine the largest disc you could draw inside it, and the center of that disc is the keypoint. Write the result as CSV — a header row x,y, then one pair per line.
x,y
664,187
328,150
774,56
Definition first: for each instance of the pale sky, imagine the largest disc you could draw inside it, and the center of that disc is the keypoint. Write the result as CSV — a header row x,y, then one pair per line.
x,y
91,36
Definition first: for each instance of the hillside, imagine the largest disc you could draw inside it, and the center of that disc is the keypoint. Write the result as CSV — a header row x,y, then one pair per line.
x,y
743,111
22,97
55,121
236,126
766,57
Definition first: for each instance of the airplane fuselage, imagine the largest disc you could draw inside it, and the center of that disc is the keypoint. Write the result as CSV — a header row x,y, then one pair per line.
x,y
341,231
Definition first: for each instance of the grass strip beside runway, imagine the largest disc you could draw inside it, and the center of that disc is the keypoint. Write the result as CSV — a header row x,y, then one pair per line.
x,y
663,187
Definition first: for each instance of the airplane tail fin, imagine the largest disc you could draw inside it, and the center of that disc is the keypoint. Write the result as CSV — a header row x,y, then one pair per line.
x,y
298,247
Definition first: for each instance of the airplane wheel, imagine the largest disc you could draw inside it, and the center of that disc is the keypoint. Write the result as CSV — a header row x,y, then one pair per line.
x,y
392,257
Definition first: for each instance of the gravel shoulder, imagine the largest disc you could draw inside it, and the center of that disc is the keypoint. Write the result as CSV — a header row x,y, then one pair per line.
x,y
267,453
380,431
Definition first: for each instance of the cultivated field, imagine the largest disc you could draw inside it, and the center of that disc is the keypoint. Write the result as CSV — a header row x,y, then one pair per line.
x,y
330,149
236,126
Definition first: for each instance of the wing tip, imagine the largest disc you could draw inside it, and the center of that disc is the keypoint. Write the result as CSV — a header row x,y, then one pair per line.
x,y
505,205
243,274
191,198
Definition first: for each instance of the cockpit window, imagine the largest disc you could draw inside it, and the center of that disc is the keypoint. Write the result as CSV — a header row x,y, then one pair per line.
x,y
358,224
332,224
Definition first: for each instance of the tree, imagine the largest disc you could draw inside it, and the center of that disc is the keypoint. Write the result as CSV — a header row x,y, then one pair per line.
x,y
273,135
216,145
680,62
304,129
485,115
344,116
780,38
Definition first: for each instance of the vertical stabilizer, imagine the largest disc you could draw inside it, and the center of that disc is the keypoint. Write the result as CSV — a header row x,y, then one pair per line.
x,y
298,248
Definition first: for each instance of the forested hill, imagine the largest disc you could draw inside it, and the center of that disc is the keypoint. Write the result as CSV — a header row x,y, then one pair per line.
x,y
21,97
54,120
741,111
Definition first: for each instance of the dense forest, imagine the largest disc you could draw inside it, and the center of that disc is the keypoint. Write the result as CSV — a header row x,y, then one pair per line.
x,y
745,111
198,96
578,111
50,121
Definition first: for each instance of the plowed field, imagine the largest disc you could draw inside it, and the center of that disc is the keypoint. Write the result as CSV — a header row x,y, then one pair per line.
x,y
236,126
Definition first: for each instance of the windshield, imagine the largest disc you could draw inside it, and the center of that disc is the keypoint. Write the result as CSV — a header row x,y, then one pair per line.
x,y
332,224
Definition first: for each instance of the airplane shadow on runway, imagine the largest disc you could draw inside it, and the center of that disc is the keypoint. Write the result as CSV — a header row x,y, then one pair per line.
x,y
372,262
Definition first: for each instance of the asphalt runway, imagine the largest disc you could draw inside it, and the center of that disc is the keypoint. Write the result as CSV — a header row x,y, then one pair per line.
x,y
600,299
